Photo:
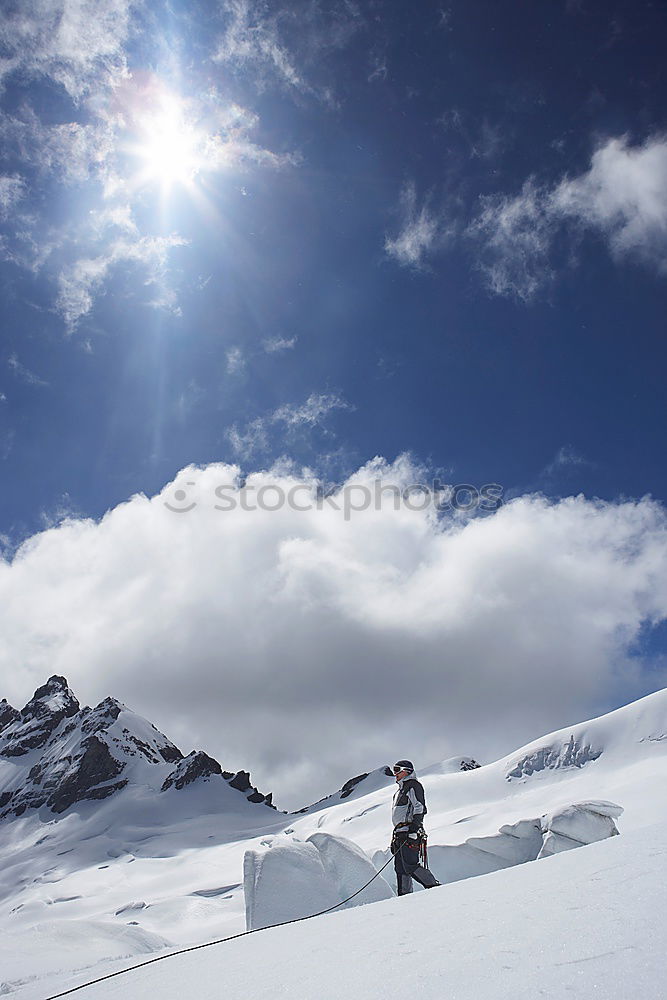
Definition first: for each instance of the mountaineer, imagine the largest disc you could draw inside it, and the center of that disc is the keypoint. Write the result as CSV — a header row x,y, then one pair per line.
x,y
408,844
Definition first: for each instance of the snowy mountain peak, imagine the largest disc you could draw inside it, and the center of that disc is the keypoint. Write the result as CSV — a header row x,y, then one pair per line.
x,y
51,699
32,727
57,754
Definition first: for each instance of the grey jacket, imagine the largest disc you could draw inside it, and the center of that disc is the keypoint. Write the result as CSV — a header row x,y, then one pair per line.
x,y
409,805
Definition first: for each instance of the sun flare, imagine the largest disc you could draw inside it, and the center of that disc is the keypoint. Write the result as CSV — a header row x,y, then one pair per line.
x,y
166,143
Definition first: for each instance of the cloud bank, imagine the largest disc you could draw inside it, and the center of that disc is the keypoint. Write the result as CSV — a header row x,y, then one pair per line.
x,y
309,648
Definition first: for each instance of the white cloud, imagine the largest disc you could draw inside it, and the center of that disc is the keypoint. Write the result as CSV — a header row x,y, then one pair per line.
x,y
622,198
309,648
420,231
274,344
236,361
312,412
74,42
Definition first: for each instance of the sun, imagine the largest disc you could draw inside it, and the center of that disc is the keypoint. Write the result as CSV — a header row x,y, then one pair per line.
x,y
165,142
169,147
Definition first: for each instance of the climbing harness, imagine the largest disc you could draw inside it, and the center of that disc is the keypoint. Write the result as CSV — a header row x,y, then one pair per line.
x,y
418,843
209,944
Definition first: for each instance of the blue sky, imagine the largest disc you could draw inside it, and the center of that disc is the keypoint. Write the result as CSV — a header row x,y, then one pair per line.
x,y
351,238
322,232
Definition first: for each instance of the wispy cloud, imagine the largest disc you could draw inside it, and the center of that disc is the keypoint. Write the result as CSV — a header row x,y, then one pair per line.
x,y
566,459
79,282
252,39
236,361
444,18
272,345
622,198
12,189
73,42
250,440
515,236
316,408
255,438
189,398
484,140
286,47
24,374
73,151
420,232
7,437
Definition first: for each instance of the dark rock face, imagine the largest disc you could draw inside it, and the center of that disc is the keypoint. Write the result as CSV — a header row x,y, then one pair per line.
x,y
94,767
170,753
7,714
196,765
102,716
349,785
241,780
469,764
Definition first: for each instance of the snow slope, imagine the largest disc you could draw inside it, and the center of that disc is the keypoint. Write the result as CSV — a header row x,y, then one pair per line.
x,y
108,882
588,923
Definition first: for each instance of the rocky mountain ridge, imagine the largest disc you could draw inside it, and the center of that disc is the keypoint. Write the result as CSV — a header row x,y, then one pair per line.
x,y
61,754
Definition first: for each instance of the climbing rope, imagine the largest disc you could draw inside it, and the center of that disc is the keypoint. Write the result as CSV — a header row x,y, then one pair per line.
x,y
209,944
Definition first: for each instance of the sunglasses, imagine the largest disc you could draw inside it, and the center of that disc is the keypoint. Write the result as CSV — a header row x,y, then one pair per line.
x,y
397,770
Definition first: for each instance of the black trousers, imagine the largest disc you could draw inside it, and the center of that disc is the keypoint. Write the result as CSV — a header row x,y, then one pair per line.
x,y
406,863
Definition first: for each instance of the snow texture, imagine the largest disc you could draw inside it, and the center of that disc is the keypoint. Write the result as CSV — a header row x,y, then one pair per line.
x,y
299,879
581,823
